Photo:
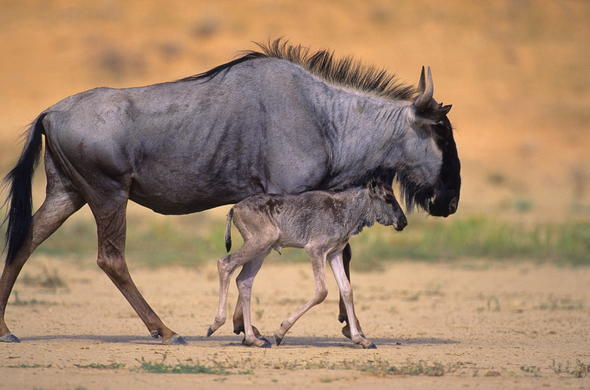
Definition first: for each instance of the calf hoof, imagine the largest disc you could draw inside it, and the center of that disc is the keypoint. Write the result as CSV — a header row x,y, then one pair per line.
x,y
370,346
240,329
260,342
342,318
175,340
9,338
266,343
210,331
278,339
346,331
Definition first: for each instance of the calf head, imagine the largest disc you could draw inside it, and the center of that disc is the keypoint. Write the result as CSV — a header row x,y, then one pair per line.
x,y
385,206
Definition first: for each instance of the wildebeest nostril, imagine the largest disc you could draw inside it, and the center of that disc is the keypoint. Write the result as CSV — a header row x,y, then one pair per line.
x,y
453,205
402,222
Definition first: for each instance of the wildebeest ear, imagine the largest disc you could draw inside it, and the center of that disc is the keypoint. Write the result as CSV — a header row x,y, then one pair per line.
x,y
444,110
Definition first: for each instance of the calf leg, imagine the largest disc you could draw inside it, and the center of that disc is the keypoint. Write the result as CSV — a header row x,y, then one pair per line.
x,y
110,222
59,204
225,267
318,260
238,319
342,317
346,292
245,281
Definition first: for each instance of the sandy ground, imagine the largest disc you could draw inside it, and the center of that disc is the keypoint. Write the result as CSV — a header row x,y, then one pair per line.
x,y
489,325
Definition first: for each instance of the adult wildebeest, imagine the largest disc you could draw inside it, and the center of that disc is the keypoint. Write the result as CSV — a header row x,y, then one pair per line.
x,y
321,222
282,120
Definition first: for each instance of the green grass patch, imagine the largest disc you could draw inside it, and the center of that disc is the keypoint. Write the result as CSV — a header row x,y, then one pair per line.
x,y
163,241
163,368
476,237
192,240
29,302
377,366
25,365
47,279
578,369
100,366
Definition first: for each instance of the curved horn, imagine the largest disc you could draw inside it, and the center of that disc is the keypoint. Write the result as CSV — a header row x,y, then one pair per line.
x,y
422,82
427,90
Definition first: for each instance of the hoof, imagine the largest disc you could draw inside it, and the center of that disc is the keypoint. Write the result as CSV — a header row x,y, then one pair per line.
x,y
346,332
266,344
239,330
175,340
370,346
210,332
278,340
155,334
342,318
9,338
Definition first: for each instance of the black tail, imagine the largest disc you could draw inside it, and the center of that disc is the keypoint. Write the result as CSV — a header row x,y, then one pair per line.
x,y
20,196
230,215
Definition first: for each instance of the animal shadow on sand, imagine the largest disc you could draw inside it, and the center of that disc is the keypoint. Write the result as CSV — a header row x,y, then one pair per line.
x,y
233,341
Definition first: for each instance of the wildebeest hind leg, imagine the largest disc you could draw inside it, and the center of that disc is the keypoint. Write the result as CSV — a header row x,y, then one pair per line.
x,y
56,208
60,202
111,221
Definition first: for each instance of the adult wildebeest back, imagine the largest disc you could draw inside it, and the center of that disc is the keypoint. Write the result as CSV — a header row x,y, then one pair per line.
x,y
282,120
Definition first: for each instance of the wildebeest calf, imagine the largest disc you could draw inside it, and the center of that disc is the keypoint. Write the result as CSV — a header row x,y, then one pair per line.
x,y
321,222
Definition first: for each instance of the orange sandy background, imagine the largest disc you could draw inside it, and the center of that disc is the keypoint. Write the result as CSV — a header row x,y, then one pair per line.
x,y
518,76
516,72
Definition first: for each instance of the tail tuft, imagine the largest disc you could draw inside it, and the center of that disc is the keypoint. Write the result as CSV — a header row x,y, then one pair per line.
x,y
20,196
230,215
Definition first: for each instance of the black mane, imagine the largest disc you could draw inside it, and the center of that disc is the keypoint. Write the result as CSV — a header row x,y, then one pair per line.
x,y
223,67
345,71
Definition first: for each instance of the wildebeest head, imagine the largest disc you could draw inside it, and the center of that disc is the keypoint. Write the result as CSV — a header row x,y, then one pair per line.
x,y
439,194
387,210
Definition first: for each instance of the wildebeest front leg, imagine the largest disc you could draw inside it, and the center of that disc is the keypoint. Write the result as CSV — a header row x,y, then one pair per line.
x,y
342,317
245,281
110,222
318,259
336,262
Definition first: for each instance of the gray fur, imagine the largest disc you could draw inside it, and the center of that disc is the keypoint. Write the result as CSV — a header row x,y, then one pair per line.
x,y
190,146
319,221
256,125
316,215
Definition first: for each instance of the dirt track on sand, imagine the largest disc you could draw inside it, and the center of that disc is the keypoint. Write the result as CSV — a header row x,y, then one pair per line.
x,y
489,326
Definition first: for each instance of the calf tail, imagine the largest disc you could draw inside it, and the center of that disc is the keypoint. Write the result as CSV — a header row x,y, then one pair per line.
x,y
230,216
20,196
